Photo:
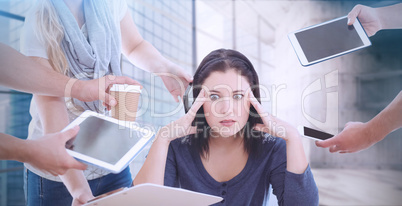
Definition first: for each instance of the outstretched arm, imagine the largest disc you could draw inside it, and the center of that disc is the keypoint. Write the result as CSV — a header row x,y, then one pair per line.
x,y
47,153
375,19
142,54
358,136
22,73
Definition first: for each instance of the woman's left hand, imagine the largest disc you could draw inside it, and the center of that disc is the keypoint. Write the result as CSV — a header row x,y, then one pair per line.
x,y
295,156
176,81
272,125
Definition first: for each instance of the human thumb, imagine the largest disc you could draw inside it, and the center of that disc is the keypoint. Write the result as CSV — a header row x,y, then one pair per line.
x,y
111,101
77,165
69,134
325,143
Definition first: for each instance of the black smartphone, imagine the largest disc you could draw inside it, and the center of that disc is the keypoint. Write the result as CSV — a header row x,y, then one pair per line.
x,y
313,133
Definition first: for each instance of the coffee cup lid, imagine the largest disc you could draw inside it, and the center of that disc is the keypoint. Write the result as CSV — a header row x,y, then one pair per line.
x,y
126,88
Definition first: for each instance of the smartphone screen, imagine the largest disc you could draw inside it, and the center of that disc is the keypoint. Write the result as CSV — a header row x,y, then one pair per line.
x,y
309,132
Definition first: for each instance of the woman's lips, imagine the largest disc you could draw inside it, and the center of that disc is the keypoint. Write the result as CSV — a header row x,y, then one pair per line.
x,y
227,122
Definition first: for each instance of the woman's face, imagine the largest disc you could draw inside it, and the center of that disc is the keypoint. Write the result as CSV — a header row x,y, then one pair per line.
x,y
226,108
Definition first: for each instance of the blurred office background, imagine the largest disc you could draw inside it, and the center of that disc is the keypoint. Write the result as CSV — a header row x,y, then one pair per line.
x,y
354,87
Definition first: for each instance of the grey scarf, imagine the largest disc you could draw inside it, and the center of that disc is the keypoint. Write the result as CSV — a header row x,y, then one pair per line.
x,y
100,54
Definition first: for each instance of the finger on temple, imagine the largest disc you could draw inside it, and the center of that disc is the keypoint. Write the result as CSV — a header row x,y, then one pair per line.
x,y
257,106
198,103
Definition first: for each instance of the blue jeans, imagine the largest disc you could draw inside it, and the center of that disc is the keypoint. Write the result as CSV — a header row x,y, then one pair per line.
x,y
42,192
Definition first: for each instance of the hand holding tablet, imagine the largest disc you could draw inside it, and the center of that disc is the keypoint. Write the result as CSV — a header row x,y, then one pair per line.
x,y
107,142
328,40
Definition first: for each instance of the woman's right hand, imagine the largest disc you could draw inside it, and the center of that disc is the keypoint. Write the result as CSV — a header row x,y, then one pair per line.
x,y
182,127
153,170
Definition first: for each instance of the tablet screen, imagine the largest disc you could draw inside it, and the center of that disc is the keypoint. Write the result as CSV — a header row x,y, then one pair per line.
x,y
104,140
329,39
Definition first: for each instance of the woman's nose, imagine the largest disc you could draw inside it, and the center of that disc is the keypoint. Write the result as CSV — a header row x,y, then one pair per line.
x,y
225,106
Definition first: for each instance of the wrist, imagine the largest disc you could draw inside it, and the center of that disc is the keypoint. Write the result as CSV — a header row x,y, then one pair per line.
x,y
291,134
22,153
73,88
376,131
293,138
389,16
381,17
163,136
164,66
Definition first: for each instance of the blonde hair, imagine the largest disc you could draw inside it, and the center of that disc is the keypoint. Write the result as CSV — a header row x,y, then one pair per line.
x,y
50,31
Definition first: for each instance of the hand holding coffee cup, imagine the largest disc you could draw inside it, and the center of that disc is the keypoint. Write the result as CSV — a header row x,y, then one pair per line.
x,y
127,97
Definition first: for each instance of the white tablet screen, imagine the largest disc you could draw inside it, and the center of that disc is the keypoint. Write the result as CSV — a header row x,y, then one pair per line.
x,y
329,39
104,140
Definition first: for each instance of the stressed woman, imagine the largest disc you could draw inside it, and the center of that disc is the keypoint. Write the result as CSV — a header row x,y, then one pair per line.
x,y
83,40
233,148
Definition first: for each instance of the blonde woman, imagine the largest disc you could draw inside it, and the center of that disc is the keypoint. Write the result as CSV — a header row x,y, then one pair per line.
x,y
82,39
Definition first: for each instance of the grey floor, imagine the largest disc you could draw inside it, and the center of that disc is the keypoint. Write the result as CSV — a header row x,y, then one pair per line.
x,y
359,187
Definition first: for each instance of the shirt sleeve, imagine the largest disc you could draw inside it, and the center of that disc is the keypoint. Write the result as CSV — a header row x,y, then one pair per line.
x,y
291,188
30,43
171,177
300,189
122,9
118,8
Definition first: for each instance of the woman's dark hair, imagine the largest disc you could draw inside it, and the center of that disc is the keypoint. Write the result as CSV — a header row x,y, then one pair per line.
x,y
223,60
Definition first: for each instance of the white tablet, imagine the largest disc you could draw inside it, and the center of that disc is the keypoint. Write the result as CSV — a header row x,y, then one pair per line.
x,y
154,195
328,40
106,142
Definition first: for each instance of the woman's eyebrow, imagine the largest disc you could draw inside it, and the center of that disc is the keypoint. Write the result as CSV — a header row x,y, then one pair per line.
x,y
235,91
214,91
238,91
